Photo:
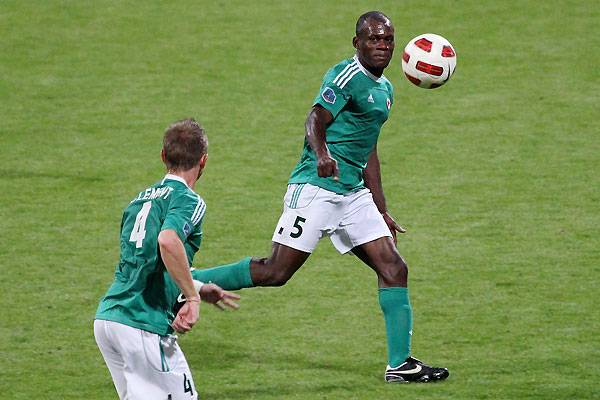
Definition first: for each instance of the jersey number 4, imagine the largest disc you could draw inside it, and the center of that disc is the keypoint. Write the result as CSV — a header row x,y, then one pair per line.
x,y
138,233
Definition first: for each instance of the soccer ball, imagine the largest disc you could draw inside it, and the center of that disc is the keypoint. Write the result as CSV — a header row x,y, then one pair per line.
x,y
428,61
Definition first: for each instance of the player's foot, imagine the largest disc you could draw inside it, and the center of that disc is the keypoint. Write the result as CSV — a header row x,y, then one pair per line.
x,y
413,370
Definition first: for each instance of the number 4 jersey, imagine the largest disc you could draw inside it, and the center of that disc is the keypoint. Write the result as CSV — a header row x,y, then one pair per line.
x,y
143,293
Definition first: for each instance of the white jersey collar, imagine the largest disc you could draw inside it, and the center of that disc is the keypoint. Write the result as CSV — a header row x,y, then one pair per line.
x,y
175,178
366,71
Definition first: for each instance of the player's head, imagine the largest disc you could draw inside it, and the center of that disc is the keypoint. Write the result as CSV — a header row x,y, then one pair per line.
x,y
374,41
185,146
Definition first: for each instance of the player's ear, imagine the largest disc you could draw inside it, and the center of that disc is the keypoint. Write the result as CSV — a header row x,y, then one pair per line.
x,y
162,155
203,161
355,42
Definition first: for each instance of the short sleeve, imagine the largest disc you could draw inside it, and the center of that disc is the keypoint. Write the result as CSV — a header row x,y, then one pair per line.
x,y
335,92
184,215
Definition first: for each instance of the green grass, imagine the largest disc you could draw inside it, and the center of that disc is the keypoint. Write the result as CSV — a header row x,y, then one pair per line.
x,y
496,177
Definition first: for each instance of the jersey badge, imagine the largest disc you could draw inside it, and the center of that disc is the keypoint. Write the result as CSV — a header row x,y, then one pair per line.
x,y
388,103
370,99
187,229
328,95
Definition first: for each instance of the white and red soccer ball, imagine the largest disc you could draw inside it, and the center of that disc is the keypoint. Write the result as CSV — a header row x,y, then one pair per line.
x,y
429,60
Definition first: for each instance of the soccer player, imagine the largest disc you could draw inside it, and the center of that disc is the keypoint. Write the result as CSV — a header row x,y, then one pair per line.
x,y
335,190
160,233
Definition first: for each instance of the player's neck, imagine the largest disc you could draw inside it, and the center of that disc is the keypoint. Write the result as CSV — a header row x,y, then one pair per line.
x,y
376,72
190,176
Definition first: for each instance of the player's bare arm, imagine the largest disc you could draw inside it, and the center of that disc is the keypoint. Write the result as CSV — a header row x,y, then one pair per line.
x,y
372,177
316,124
175,259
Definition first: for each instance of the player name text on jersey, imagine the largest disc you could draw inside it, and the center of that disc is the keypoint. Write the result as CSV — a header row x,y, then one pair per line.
x,y
154,193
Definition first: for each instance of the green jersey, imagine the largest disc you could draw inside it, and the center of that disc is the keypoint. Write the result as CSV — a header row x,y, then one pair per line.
x,y
360,103
143,293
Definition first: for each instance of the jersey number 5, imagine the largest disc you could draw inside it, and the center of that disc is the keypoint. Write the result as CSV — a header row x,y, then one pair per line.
x,y
138,233
298,227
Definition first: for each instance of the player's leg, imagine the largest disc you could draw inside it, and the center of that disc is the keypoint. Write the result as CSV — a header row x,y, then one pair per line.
x,y
274,270
309,213
151,367
392,275
383,257
113,359
166,367
365,233
279,267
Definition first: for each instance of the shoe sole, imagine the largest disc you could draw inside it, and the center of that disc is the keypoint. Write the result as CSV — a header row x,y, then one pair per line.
x,y
423,379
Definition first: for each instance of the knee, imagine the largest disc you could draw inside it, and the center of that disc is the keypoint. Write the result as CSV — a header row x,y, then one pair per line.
x,y
272,274
394,273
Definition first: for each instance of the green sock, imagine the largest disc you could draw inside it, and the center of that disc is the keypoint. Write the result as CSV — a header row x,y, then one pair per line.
x,y
230,277
397,313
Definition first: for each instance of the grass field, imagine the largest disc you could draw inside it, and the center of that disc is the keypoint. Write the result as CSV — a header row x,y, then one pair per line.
x,y
496,176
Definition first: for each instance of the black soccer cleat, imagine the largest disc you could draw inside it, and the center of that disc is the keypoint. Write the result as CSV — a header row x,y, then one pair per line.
x,y
413,370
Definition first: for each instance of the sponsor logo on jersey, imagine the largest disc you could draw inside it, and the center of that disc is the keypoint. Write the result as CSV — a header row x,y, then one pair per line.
x,y
328,95
388,103
370,99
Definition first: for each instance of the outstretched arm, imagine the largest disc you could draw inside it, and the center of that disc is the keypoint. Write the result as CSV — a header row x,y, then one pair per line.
x,y
372,177
316,124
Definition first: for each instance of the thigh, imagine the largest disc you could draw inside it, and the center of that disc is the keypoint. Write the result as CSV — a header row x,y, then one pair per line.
x,y
159,371
309,213
361,223
154,365
112,358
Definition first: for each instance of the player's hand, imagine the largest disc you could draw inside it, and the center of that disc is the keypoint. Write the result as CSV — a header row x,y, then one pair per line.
x,y
187,316
393,225
327,166
213,294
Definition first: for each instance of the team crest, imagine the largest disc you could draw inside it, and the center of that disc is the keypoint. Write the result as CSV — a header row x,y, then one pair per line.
x,y
328,95
186,229
388,103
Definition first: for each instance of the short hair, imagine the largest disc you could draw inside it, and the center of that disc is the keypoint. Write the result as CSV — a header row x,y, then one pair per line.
x,y
376,15
184,143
